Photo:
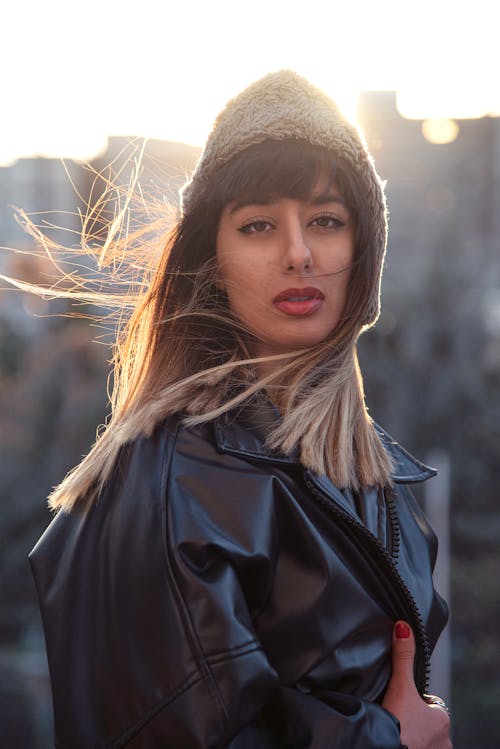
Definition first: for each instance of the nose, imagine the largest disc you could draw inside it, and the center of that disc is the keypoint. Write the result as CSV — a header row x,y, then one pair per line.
x,y
297,257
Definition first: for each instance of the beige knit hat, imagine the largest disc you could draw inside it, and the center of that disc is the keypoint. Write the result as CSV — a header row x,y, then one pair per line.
x,y
282,106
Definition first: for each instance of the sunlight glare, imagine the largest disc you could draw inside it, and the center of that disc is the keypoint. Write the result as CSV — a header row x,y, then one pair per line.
x,y
166,75
440,131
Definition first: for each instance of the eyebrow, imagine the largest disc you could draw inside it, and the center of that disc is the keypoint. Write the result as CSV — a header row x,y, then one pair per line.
x,y
322,199
327,197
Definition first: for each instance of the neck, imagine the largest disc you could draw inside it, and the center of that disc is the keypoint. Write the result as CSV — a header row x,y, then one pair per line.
x,y
273,361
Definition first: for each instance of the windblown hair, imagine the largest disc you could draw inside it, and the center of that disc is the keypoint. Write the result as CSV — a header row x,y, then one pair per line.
x,y
182,352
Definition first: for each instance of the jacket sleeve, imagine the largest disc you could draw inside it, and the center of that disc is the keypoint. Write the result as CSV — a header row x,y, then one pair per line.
x,y
334,721
219,568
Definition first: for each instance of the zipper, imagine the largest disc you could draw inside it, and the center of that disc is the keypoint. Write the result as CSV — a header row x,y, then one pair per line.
x,y
395,535
388,562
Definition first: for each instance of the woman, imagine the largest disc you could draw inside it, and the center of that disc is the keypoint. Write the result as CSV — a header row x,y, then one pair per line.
x,y
238,562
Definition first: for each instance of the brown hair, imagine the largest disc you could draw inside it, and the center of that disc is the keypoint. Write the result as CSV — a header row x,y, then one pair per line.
x,y
180,351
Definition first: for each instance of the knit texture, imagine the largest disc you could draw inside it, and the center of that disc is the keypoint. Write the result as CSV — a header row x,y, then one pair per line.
x,y
281,106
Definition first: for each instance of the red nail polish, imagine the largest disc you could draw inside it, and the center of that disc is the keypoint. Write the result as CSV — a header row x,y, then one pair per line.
x,y
402,631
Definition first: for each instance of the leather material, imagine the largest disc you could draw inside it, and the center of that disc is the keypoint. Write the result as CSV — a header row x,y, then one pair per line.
x,y
219,595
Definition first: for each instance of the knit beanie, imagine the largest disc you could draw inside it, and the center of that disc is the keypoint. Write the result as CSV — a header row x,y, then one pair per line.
x,y
283,106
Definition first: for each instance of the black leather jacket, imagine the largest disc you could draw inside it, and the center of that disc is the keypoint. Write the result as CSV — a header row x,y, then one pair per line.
x,y
217,595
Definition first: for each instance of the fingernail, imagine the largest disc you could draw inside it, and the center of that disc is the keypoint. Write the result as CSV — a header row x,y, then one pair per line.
x,y
402,631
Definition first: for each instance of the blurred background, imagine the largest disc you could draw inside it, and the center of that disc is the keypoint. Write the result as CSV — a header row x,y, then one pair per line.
x,y
422,80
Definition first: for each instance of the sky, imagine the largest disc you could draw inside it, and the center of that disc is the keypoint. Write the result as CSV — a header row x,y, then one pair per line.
x,y
73,74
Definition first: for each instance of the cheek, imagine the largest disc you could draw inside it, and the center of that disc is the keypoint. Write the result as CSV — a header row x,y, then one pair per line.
x,y
343,254
240,274
246,294
243,293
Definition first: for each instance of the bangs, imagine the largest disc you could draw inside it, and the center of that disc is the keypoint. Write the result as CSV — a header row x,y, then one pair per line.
x,y
279,169
272,170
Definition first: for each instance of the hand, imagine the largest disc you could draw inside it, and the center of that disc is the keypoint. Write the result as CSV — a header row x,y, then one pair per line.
x,y
423,726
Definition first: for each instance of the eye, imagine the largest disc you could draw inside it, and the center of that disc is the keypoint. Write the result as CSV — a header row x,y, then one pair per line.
x,y
256,227
327,221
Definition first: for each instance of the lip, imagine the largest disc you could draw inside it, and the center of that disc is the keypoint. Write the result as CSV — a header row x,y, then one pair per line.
x,y
299,302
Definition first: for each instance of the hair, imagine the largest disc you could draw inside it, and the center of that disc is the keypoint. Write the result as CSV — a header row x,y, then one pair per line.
x,y
180,351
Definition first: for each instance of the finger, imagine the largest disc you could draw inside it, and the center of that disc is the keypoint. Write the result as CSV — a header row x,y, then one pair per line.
x,y
434,701
443,710
442,724
403,655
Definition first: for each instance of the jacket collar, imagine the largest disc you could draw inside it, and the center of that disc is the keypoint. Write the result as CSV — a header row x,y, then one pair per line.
x,y
243,431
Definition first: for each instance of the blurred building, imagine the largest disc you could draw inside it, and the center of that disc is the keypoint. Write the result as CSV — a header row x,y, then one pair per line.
x,y
50,192
57,195
439,193
164,165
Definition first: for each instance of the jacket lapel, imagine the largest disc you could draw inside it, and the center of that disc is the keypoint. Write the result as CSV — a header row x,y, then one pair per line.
x,y
244,431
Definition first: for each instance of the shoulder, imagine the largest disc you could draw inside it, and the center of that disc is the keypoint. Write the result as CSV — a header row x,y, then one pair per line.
x,y
148,462
168,471
213,492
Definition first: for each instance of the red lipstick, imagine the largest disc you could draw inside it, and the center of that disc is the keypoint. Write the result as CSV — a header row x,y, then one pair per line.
x,y
299,302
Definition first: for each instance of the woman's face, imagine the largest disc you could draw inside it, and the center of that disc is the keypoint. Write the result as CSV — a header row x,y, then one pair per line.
x,y
285,267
